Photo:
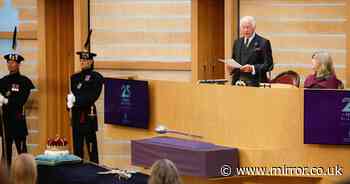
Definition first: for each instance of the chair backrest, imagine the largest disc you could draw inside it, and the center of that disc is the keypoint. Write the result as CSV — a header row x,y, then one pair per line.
x,y
341,85
287,77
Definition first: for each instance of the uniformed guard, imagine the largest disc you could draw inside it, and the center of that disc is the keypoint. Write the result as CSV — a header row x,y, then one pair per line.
x,y
14,92
86,87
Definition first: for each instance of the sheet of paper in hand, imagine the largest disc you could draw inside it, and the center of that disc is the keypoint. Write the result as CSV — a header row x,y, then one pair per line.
x,y
231,62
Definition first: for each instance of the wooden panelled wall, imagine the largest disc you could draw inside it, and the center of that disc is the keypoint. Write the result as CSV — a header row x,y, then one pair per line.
x,y
296,29
56,38
208,38
27,45
149,39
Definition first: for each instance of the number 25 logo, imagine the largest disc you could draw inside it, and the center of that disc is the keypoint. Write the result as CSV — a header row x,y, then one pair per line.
x,y
347,106
126,91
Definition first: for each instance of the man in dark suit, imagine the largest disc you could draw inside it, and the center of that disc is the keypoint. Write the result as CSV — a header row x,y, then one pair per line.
x,y
14,92
86,87
253,52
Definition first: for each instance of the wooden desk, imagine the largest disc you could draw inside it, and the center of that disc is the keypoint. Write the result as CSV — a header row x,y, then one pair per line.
x,y
266,124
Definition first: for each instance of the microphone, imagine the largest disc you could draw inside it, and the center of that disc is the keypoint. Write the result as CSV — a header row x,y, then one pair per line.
x,y
213,81
164,130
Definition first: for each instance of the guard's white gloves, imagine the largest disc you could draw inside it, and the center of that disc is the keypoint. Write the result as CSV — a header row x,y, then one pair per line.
x,y
70,100
3,100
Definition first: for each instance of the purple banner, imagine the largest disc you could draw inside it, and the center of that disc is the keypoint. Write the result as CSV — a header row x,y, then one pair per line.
x,y
126,102
326,117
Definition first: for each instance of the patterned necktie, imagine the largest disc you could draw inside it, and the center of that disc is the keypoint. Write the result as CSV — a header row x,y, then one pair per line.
x,y
246,42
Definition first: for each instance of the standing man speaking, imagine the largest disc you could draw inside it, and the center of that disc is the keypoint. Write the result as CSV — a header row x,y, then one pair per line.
x,y
253,52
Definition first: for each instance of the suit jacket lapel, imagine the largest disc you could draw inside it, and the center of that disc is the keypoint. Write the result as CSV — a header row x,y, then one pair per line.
x,y
251,44
238,50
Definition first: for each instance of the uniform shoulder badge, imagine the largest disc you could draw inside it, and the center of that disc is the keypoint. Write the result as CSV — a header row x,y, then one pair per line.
x,y
87,77
79,85
15,87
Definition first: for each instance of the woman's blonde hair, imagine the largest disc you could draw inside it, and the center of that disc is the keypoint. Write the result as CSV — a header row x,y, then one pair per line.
x,y
23,170
325,61
164,172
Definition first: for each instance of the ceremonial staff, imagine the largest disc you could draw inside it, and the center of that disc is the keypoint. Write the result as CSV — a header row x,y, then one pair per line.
x,y
4,146
163,130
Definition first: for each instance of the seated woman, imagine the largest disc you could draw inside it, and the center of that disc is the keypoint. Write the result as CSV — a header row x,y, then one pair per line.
x,y
24,170
324,75
164,172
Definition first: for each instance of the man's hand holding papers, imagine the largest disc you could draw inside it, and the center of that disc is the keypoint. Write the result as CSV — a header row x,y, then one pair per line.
x,y
231,63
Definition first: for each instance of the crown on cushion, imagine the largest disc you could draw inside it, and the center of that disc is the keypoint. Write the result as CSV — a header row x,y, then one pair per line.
x,y
58,143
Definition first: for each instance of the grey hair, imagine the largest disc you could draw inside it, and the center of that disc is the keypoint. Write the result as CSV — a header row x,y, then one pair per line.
x,y
164,172
325,63
248,19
